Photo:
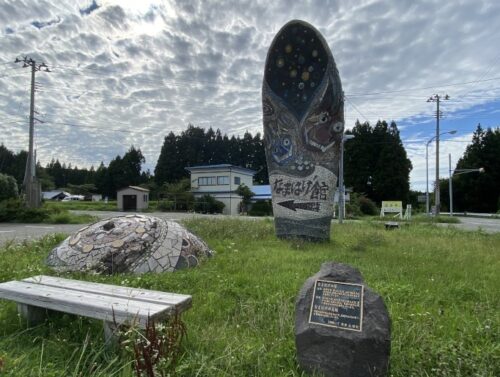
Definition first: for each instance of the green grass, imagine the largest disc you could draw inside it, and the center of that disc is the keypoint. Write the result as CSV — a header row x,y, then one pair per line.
x,y
66,217
15,211
440,286
82,205
418,218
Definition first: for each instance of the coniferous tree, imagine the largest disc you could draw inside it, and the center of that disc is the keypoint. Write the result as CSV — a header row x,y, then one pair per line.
x,y
167,167
478,192
376,163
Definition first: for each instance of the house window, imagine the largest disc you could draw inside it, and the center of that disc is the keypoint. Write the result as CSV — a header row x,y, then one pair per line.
x,y
207,181
237,180
145,197
223,180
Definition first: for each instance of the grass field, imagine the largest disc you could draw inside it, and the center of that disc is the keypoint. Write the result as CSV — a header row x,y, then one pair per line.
x,y
440,285
82,205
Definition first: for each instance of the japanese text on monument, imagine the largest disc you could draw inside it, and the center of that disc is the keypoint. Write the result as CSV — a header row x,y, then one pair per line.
x,y
310,189
337,304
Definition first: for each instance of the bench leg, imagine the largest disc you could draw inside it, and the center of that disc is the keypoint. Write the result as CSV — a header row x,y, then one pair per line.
x,y
34,315
111,334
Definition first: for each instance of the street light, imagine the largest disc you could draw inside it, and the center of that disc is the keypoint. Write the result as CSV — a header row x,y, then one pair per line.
x,y
427,168
458,172
341,178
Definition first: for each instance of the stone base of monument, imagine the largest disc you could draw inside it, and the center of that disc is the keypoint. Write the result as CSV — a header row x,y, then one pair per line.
x,y
342,327
314,230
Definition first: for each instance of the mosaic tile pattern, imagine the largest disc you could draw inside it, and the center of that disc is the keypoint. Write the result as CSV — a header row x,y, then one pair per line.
x,y
303,114
132,243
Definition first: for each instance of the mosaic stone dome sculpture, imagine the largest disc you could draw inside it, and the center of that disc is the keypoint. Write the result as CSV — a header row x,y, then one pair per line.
x,y
129,244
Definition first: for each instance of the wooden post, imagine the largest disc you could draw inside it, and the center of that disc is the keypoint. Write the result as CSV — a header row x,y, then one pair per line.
x,y
111,335
34,315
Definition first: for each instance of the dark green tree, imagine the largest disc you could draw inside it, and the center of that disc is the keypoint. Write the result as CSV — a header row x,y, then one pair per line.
x,y
195,146
132,167
478,192
103,181
8,187
167,168
376,164
13,164
246,196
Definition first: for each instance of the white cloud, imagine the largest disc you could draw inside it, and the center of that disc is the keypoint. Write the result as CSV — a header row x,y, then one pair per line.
x,y
147,68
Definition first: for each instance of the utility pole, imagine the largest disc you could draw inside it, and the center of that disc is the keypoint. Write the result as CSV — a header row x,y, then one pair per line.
x,y
31,185
341,178
437,199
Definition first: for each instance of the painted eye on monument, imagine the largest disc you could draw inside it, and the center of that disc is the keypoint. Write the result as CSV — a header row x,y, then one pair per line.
x,y
338,127
323,117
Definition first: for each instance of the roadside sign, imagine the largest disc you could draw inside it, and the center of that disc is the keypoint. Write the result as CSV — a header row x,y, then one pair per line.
x,y
392,206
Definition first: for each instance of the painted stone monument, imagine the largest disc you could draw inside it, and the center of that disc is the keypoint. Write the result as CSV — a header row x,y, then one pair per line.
x,y
303,115
129,244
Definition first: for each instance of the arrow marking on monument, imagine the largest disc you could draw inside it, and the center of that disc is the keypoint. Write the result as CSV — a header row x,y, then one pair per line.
x,y
310,206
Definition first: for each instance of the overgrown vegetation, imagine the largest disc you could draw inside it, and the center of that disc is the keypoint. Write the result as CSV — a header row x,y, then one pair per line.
x,y
246,196
261,208
175,196
360,205
208,204
82,205
15,210
157,348
438,284
8,187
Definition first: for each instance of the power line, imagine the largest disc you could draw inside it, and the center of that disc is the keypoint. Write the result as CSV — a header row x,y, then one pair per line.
x,y
422,88
355,108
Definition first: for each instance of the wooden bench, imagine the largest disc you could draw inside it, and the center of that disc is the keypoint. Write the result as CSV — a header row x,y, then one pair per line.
x,y
391,225
115,305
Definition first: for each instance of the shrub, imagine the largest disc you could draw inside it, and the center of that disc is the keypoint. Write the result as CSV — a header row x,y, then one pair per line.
x,y
261,208
352,209
165,205
367,206
246,195
208,204
59,218
9,209
8,187
15,210
178,193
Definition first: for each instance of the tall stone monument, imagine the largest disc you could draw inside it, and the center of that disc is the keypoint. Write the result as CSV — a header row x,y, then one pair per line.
x,y
303,113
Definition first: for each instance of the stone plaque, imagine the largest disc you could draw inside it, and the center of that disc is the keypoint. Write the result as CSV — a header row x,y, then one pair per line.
x,y
337,304
341,301
303,115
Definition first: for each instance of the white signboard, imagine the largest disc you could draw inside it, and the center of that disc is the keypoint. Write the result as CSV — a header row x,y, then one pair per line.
x,y
392,207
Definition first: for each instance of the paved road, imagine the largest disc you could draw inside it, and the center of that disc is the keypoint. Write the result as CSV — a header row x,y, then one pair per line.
x,y
20,232
488,225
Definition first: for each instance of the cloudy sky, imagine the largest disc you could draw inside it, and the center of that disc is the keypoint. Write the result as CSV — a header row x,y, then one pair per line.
x,y
127,72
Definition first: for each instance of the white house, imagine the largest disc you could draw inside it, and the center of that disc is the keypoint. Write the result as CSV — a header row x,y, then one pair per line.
x,y
221,181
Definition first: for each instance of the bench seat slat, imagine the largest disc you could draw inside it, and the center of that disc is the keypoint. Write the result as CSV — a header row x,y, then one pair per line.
x,y
180,301
91,305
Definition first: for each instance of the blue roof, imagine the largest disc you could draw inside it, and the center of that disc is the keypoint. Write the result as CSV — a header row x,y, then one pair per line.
x,y
261,192
219,166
